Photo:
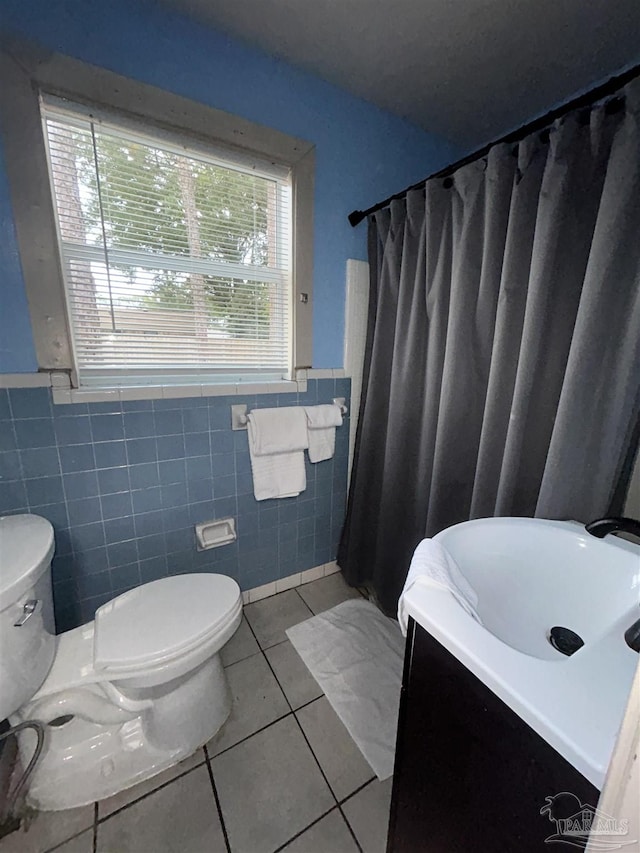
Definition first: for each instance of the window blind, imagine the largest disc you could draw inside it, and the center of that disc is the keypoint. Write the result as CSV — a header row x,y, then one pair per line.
x,y
177,261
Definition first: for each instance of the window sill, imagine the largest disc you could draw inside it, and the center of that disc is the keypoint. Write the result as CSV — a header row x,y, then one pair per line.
x,y
62,393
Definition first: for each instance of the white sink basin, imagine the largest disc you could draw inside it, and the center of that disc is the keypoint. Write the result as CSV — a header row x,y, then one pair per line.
x,y
531,575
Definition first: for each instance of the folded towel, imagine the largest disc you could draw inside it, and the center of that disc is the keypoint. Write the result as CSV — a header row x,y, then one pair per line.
x,y
277,439
432,565
277,430
321,423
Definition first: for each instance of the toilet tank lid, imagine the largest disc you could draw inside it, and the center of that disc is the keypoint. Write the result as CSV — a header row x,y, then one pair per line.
x,y
158,620
26,549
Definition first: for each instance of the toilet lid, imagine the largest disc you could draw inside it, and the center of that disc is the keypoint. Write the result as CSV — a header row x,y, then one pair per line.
x,y
158,620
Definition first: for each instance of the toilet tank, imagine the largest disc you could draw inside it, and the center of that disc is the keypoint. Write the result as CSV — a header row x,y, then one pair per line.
x,y
26,596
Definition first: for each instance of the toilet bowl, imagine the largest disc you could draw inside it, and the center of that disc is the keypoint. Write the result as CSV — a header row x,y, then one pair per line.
x,y
127,695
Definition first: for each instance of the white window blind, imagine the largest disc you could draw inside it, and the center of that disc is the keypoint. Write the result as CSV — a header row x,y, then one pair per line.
x,y
176,259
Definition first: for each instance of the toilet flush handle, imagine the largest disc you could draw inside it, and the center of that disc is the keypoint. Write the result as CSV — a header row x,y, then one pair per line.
x,y
28,609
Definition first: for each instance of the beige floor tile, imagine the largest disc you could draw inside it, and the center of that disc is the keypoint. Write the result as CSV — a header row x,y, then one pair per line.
x,y
257,701
82,843
47,829
342,762
295,679
368,815
329,835
270,788
242,645
271,617
325,593
123,798
180,818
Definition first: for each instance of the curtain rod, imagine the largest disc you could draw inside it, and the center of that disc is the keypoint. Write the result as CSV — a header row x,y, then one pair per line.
x,y
609,87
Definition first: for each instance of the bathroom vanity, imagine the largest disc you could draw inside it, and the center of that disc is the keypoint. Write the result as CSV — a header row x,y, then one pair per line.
x,y
495,721
470,775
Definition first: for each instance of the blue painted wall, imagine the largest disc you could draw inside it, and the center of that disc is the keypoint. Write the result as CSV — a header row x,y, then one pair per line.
x,y
124,484
363,154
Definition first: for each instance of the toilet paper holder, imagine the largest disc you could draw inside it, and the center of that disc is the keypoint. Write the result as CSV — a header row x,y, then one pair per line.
x,y
213,534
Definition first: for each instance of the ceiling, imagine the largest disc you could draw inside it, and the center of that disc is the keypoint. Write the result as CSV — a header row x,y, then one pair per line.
x,y
469,70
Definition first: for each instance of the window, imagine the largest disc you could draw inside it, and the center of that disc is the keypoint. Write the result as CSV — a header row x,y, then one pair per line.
x,y
162,241
176,260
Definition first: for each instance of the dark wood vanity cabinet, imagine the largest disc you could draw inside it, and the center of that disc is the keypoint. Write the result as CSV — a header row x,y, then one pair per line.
x,y
470,776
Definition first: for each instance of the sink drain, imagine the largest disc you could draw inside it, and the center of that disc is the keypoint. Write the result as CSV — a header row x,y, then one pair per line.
x,y
565,640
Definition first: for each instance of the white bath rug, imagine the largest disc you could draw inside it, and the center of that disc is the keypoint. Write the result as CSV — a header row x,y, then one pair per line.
x,y
355,654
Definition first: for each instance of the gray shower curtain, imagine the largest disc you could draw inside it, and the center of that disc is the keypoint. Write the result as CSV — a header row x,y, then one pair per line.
x,y
502,368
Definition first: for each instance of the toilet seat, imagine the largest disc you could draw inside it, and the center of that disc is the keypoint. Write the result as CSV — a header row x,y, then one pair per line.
x,y
161,620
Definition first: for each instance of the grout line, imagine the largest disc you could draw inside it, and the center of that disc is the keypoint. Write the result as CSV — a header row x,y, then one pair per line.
x,y
94,846
252,655
303,601
315,758
302,831
357,791
242,740
292,712
306,704
217,799
349,827
100,820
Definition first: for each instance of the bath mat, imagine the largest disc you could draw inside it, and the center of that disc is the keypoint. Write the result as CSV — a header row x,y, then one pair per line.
x,y
355,654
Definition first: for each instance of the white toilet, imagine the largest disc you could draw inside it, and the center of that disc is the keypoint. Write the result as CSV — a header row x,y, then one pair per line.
x,y
123,697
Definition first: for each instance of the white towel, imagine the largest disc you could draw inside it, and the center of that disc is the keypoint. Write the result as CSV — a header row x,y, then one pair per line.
x,y
433,565
277,440
321,423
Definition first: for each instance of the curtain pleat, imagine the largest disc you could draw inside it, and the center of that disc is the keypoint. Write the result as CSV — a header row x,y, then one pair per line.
x,y
502,366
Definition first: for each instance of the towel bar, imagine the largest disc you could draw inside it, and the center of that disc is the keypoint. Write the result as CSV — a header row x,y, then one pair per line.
x,y
239,412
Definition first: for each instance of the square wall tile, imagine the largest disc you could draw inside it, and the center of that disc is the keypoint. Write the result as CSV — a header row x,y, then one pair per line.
x,y
139,424
45,490
144,475
77,457
84,511
38,462
141,450
119,529
111,480
34,432
107,427
110,454
116,506
82,484
30,402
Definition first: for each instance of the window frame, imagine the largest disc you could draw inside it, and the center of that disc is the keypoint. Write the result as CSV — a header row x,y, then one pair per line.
x,y
27,74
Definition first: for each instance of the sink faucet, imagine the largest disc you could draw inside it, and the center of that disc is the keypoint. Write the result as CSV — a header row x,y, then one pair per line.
x,y
601,526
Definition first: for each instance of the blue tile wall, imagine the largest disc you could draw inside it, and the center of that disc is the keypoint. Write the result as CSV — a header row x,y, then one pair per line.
x,y
124,484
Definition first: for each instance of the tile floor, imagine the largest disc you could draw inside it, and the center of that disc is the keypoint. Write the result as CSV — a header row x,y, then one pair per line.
x,y
282,775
